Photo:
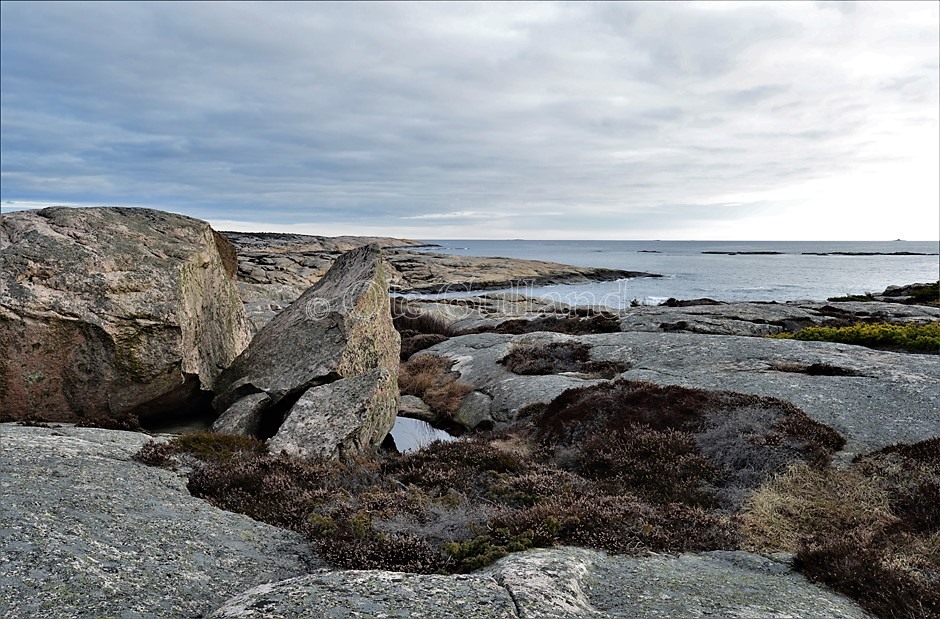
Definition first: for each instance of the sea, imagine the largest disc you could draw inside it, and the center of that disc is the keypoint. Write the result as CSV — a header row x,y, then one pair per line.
x,y
788,271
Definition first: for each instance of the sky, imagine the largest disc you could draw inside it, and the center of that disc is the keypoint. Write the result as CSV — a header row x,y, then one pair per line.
x,y
698,121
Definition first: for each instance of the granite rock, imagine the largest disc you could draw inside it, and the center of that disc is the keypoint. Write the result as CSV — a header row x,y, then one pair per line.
x,y
340,328
111,312
560,583
873,398
347,416
85,532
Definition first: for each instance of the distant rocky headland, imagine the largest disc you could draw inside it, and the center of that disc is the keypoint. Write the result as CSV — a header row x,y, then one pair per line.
x,y
274,269
695,458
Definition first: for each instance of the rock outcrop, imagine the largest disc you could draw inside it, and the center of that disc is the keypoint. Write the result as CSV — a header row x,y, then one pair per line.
x,y
87,532
341,328
760,319
274,269
874,398
562,583
111,312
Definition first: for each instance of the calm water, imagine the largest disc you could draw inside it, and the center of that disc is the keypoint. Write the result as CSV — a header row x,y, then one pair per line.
x,y
790,275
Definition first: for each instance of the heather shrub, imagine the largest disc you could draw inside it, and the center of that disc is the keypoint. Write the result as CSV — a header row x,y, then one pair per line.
x,y
631,473
659,466
869,531
204,446
535,358
408,319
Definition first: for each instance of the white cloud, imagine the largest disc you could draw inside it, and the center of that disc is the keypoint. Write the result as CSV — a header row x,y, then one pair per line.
x,y
613,120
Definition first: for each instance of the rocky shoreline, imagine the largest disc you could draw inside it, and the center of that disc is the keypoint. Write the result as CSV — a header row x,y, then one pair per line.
x,y
627,463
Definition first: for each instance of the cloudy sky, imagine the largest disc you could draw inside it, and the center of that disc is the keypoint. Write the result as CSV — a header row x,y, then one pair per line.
x,y
446,120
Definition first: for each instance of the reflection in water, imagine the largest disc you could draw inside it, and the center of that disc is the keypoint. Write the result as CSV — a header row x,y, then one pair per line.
x,y
413,434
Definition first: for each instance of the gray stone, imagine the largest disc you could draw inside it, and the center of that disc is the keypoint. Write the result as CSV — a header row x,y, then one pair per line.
x,y
371,594
475,409
109,312
414,407
561,583
874,398
87,532
348,416
244,416
760,319
340,327
500,393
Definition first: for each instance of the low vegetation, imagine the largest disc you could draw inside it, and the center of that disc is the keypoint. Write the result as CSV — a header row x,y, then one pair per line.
x,y
871,531
910,337
536,358
430,378
419,330
624,467
662,479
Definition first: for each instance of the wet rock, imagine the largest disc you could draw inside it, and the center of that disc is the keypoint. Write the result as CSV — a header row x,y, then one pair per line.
x,y
107,313
87,532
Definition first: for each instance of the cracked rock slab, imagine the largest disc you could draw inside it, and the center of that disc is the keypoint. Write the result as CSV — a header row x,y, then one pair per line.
x,y
559,583
370,594
87,532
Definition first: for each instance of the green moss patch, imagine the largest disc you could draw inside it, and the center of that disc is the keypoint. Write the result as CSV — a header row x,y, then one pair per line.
x,y
917,338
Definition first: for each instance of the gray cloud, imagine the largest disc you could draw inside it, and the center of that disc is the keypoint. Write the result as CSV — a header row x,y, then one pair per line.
x,y
593,118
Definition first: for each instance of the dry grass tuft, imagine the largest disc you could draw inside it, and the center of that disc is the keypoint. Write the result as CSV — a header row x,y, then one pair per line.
x,y
430,378
869,531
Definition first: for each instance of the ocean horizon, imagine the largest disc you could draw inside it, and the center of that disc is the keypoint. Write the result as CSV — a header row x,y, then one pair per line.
x,y
722,270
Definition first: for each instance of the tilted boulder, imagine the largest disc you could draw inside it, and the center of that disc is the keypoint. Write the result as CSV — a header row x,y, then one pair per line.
x,y
111,312
340,328
348,416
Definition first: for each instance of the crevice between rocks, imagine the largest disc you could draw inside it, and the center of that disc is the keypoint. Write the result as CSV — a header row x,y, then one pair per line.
x,y
512,596
273,416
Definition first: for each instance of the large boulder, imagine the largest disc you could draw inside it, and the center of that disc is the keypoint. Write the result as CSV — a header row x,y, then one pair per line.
x,y
340,328
111,312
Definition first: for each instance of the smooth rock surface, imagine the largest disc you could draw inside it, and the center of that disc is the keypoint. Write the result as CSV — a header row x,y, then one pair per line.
x,y
111,312
882,397
562,583
347,416
87,532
